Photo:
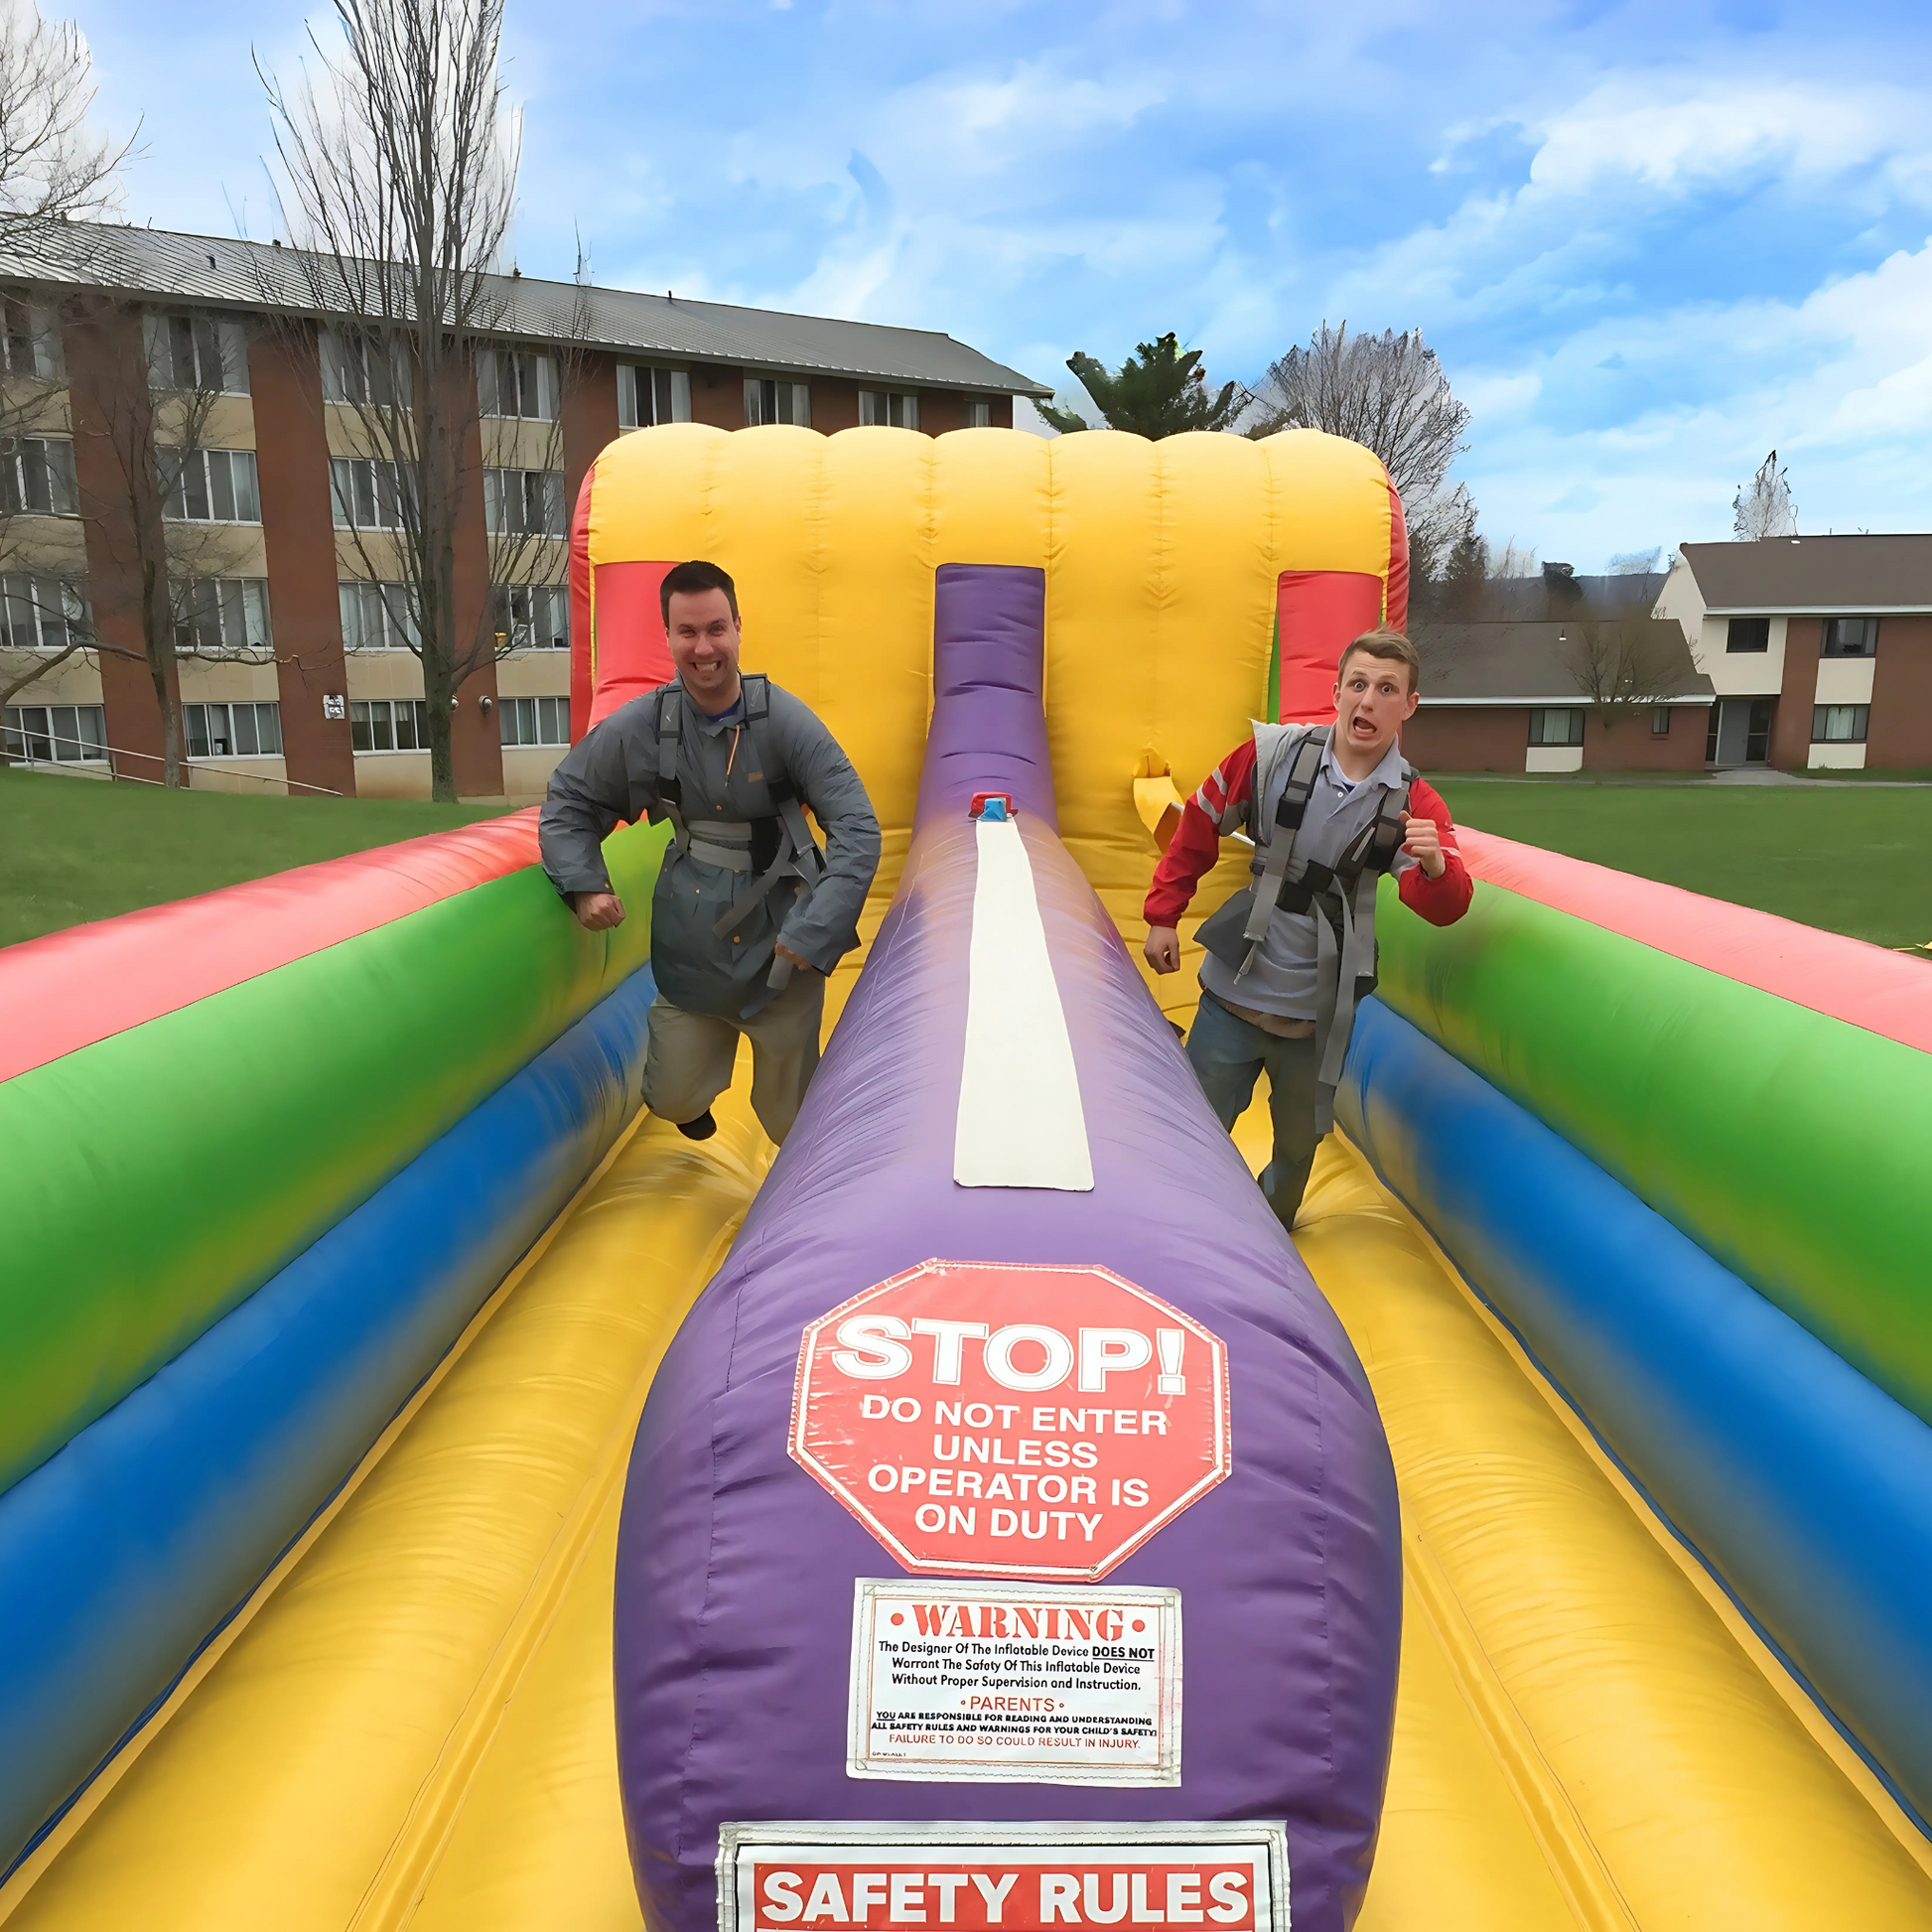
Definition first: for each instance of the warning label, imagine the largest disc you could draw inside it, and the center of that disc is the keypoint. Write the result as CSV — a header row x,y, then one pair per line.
x,y
1009,1421
1039,1686
1011,1877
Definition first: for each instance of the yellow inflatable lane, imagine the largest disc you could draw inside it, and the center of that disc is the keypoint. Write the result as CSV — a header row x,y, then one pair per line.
x,y
315,1774
1661,1777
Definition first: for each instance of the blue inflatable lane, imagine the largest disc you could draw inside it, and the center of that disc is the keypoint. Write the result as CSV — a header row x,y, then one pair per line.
x,y
125,1552
1803,1487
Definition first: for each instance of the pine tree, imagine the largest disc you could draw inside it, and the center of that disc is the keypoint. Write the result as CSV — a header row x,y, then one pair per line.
x,y
1158,392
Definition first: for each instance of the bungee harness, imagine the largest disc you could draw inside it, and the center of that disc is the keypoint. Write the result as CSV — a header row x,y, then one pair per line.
x,y
775,845
1341,895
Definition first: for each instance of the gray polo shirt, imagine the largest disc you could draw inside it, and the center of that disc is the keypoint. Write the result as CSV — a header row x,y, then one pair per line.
x,y
1283,978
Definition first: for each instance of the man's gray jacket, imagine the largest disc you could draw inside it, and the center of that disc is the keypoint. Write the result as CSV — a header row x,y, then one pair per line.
x,y
610,777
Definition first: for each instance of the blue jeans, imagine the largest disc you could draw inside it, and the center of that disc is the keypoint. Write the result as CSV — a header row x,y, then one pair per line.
x,y
1228,1055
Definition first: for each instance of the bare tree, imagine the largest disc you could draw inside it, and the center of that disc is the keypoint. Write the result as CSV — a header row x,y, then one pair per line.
x,y
1624,661
53,166
1388,393
174,525
1638,563
1764,509
399,161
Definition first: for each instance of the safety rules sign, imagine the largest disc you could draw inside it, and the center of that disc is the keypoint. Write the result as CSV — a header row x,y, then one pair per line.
x,y
1048,1685
1011,1421
1011,1877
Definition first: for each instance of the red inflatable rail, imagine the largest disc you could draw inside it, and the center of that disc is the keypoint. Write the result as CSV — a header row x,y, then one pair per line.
x,y
71,989
1863,985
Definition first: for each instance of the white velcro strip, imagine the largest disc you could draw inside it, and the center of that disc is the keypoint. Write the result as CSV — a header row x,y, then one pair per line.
x,y
1021,1123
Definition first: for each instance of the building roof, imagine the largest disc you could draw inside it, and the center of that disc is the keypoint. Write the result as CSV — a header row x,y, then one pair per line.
x,y
1802,576
208,270
1528,662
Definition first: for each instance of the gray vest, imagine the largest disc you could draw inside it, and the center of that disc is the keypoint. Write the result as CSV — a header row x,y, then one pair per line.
x,y
1324,866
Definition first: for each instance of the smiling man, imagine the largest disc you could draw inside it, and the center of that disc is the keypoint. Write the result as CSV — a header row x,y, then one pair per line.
x,y
749,915
1329,809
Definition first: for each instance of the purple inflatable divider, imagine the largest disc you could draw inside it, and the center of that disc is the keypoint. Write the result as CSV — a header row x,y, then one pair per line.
x,y
736,1571
989,729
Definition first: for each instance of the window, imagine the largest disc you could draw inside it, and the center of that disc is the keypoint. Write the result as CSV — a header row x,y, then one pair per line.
x,y
37,476
211,486
649,396
40,613
364,372
1660,720
900,411
1851,637
369,492
377,616
517,382
533,617
232,730
524,502
979,413
56,734
767,401
1747,633
534,721
226,613
197,353
1838,723
1559,724
382,725
31,342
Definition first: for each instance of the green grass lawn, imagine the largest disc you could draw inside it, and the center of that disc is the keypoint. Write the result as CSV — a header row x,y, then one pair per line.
x,y
74,849
1854,859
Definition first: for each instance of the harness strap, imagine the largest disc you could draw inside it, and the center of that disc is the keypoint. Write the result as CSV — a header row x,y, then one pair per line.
x,y
670,788
1276,850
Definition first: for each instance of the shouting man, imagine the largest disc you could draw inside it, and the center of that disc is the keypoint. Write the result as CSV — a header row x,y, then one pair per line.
x,y
749,915
1329,809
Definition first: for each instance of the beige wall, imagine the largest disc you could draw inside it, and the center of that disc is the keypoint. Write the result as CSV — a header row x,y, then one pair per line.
x,y
77,681
534,674
392,775
527,768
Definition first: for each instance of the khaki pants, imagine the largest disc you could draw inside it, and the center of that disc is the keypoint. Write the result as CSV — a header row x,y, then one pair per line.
x,y
689,1063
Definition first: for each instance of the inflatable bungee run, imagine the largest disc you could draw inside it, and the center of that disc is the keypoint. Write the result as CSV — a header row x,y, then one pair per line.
x,y
437,1494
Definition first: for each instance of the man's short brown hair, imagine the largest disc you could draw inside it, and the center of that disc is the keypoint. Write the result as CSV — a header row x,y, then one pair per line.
x,y
1388,644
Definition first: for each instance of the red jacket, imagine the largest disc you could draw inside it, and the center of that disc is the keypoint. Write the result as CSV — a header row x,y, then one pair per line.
x,y
1224,804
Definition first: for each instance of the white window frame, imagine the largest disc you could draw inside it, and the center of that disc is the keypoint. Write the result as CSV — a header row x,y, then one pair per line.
x,y
375,485
512,496
888,408
533,724
376,616
235,609
649,396
978,412
202,354
527,612
363,712
30,342
517,385
73,734
232,722
37,613
205,480
777,399
37,478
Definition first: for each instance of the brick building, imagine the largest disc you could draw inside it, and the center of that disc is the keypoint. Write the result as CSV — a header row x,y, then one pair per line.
x,y
1819,650
1504,690
304,679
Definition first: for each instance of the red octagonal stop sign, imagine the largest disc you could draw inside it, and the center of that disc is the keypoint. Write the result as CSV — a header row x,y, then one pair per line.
x,y
1011,1421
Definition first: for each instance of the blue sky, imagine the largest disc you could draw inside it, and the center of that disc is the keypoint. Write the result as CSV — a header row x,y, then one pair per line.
x,y
1649,240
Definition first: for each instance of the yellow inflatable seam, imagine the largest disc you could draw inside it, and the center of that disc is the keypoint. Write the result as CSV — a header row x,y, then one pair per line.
x,y
1802,1706
27,1875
